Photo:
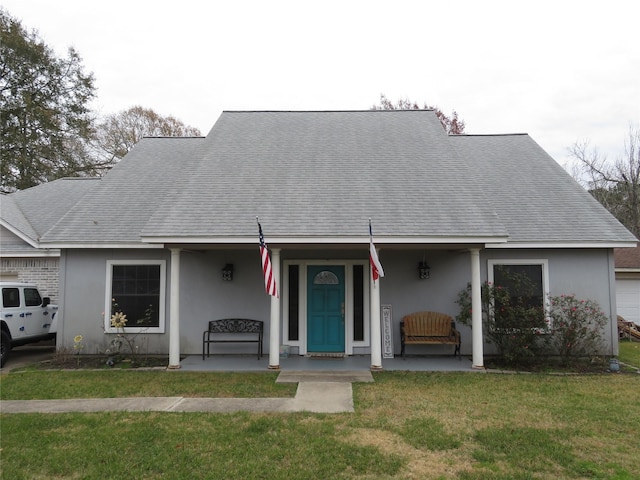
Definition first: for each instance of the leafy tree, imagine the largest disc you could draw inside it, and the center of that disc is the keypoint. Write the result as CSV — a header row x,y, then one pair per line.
x,y
44,113
453,125
616,185
117,133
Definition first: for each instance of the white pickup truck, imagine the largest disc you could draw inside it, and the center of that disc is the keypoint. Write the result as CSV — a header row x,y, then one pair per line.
x,y
25,317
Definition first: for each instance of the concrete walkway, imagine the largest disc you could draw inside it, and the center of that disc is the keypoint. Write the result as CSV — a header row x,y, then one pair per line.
x,y
318,392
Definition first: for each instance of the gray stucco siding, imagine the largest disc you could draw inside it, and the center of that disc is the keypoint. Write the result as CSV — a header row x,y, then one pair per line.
x,y
205,296
585,273
407,293
83,275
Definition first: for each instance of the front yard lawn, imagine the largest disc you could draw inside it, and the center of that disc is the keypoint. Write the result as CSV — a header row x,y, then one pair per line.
x,y
630,352
407,425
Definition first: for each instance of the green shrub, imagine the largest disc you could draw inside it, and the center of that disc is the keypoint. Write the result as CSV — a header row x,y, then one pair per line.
x,y
576,326
513,318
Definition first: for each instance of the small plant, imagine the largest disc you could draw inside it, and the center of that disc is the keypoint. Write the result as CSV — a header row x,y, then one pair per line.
x,y
576,326
78,346
61,356
119,322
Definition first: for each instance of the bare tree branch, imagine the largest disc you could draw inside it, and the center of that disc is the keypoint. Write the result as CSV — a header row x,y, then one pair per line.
x,y
614,184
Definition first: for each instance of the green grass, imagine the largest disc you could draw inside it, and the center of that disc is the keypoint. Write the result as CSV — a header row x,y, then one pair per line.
x,y
630,353
407,425
189,446
48,384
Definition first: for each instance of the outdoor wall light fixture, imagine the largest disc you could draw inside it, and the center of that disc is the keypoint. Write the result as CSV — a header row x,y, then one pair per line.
x,y
227,272
424,271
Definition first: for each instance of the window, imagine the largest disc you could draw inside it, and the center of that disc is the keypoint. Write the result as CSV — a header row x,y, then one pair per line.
x,y
522,286
326,278
294,302
32,297
10,297
358,303
137,289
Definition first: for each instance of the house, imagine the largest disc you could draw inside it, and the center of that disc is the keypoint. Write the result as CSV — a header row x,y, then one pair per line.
x,y
628,283
155,233
24,217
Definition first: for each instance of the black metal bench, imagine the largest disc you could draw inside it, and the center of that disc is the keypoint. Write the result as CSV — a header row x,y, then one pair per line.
x,y
240,326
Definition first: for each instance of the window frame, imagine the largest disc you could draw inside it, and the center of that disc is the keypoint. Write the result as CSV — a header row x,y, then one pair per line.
x,y
30,294
109,296
9,291
542,262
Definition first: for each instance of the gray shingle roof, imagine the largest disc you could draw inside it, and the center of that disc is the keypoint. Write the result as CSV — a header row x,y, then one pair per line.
x,y
323,174
124,200
14,218
533,195
320,174
34,211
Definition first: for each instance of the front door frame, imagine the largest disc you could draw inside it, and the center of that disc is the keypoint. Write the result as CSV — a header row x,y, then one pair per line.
x,y
330,327
349,343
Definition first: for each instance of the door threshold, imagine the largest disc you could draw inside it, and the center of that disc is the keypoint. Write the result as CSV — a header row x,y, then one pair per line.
x,y
325,355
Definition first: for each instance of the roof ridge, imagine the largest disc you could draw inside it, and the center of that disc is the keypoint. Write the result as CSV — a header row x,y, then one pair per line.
x,y
171,137
331,111
79,178
488,134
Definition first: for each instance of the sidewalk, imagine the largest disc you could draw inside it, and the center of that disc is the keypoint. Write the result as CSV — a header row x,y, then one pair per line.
x,y
318,392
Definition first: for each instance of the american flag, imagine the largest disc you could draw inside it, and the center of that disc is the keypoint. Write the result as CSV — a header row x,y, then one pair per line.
x,y
376,267
269,281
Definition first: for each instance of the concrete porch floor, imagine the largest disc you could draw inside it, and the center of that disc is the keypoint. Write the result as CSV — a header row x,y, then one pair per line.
x,y
248,363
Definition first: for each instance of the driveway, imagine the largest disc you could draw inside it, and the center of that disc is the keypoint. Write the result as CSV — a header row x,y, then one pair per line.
x,y
28,354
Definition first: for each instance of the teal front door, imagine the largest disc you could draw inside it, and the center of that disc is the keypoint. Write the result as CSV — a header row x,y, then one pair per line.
x,y
325,309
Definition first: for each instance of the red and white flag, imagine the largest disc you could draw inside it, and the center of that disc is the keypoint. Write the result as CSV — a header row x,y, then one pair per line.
x,y
376,267
269,280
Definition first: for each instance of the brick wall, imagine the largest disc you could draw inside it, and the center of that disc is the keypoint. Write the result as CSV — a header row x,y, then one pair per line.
x,y
43,272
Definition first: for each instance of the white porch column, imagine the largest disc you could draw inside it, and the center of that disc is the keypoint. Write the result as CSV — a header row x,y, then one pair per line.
x,y
476,310
376,335
174,310
274,332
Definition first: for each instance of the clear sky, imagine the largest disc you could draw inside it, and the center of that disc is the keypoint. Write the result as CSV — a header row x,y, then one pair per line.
x,y
561,70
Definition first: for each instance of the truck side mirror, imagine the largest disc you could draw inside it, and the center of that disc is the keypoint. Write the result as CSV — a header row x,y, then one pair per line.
x,y
46,301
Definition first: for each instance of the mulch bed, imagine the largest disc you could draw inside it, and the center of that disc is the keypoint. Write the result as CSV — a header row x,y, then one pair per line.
x,y
552,365
103,362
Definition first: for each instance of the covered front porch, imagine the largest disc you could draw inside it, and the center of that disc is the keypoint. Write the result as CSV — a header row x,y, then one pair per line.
x,y
288,322
247,363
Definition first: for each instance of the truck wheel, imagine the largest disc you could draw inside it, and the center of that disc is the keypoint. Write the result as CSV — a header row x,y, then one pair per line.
x,y
5,347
